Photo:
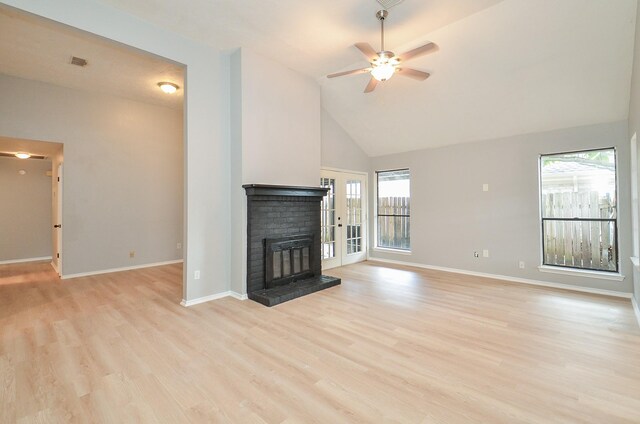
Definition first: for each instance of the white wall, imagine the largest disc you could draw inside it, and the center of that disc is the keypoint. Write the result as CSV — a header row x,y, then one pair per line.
x,y
451,217
25,209
634,125
122,171
280,123
339,151
275,137
207,198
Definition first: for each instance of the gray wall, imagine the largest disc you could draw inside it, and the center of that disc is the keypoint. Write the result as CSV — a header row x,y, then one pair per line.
x,y
25,209
123,171
206,154
451,217
634,121
339,151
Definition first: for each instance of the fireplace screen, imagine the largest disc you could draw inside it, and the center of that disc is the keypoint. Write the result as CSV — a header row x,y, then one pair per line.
x,y
287,259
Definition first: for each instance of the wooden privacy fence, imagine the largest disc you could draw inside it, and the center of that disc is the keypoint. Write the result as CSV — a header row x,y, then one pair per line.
x,y
579,230
394,222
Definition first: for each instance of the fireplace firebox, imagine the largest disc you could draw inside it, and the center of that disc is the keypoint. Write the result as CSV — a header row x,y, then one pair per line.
x,y
287,259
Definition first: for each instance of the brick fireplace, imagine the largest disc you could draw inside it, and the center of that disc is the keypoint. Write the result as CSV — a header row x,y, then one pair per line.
x,y
283,243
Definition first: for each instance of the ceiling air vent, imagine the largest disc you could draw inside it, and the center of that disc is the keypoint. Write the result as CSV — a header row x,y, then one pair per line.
x,y
78,61
388,4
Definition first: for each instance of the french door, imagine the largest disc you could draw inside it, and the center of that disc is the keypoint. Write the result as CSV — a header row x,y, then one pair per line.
x,y
344,213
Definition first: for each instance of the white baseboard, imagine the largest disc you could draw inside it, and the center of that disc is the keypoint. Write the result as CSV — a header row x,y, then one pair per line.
x,y
238,296
636,309
509,278
18,261
55,267
205,299
127,268
216,296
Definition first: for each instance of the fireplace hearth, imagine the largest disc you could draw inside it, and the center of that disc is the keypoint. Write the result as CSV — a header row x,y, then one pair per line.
x,y
283,243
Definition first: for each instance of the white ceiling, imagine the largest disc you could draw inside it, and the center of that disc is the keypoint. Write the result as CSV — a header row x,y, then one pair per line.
x,y
505,67
312,37
519,67
37,49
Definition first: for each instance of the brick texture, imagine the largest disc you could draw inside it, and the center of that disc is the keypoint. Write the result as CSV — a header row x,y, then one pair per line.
x,y
279,216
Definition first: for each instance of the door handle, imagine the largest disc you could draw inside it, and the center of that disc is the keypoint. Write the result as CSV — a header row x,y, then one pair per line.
x,y
57,226
340,225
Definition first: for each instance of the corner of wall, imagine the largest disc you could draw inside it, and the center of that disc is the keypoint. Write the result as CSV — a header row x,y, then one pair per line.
x,y
237,204
338,149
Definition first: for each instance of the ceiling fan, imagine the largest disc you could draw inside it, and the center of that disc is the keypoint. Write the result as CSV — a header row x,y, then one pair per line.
x,y
384,64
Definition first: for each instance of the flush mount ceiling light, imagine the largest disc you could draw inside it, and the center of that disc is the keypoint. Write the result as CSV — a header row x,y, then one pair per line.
x,y
168,87
22,155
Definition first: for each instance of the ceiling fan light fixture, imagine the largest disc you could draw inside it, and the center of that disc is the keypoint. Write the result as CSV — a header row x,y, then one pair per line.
x,y
168,87
22,155
385,63
383,72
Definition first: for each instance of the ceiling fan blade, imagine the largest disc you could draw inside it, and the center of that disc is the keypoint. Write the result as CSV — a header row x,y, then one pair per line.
x,y
352,72
413,73
367,50
371,86
418,51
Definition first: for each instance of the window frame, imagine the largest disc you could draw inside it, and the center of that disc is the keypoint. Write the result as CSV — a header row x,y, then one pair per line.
x,y
377,215
568,268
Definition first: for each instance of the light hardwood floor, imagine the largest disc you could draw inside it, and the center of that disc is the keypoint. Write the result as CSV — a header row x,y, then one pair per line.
x,y
391,344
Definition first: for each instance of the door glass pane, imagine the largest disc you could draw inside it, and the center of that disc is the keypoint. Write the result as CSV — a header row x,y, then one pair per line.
x,y
354,216
328,217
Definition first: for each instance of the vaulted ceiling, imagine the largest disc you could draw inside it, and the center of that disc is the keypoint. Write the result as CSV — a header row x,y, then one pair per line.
x,y
505,67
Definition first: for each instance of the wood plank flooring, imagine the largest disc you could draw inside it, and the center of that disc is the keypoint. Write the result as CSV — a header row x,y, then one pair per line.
x,y
391,344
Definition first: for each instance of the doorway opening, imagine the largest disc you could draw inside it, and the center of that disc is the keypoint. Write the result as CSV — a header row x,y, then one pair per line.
x,y
343,218
32,205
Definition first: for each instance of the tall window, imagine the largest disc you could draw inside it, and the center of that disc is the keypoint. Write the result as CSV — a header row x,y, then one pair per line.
x,y
579,210
394,206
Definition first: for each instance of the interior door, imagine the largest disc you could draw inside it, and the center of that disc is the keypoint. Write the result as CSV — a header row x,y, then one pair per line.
x,y
57,228
343,218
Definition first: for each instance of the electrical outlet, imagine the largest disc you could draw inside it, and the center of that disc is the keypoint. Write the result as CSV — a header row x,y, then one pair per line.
x,y
521,264
485,253
132,254
196,275
476,255
178,245
485,187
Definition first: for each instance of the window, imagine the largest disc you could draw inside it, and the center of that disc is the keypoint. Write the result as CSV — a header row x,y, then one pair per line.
x,y
394,205
579,215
